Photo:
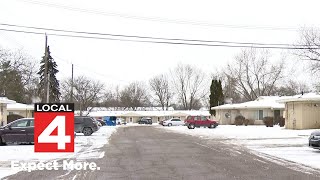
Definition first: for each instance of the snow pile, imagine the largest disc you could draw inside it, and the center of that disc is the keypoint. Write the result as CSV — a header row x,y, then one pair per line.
x,y
291,145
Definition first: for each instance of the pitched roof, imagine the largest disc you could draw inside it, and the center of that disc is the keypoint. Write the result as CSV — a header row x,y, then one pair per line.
x,y
5,100
20,106
300,97
148,113
269,102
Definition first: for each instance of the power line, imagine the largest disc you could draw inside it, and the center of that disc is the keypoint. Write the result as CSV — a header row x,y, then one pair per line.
x,y
146,37
156,19
89,69
163,42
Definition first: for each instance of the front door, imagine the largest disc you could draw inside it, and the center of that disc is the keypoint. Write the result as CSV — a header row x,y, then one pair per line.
x,y
276,114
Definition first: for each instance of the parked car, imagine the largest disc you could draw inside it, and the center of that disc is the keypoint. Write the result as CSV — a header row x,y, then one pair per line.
x,y
161,122
314,140
173,122
145,121
18,131
97,122
101,122
120,121
85,124
200,121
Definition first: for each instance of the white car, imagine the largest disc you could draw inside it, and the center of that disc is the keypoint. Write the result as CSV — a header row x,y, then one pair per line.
x,y
173,122
120,121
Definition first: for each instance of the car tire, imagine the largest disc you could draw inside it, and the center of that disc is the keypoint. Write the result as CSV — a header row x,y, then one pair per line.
x,y
1,142
191,126
212,126
169,124
87,131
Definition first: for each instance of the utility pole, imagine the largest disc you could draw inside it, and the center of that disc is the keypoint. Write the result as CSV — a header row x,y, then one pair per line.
x,y
71,92
46,80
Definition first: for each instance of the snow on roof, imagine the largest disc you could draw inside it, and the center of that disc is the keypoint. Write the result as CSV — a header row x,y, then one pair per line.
x,y
20,106
269,102
5,100
300,97
148,113
92,109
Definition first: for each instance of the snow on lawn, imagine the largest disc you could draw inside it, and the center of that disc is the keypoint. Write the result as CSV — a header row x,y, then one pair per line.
x,y
291,145
86,147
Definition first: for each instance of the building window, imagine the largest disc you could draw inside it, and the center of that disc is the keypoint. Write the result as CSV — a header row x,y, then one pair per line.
x,y
260,114
130,119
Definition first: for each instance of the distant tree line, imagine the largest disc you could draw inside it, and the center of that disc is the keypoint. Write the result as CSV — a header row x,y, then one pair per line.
x,y
251,74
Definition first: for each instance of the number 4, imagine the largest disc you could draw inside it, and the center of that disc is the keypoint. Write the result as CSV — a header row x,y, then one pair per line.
x,y
61,139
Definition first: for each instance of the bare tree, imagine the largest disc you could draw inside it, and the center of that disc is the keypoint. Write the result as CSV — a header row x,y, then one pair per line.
x,y
310,38
188,82
18,77
86,92
111,98
160,87
253,74
291,88
134,95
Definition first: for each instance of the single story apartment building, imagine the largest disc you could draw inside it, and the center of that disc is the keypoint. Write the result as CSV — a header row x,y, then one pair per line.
x,y
4,101
256,110
20,110
302,111
156,116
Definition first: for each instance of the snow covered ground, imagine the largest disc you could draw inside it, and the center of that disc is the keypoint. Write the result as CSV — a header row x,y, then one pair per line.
x,y
86,147
267,142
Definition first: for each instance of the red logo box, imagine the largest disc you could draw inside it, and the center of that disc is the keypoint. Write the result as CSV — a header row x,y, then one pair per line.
x,y
54,127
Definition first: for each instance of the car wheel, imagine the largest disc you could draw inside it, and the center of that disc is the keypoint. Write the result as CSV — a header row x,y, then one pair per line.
x,y
87,131
169,124
211,126
191,126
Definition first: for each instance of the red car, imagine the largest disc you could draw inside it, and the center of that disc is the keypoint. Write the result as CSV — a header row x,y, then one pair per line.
x,y
198,121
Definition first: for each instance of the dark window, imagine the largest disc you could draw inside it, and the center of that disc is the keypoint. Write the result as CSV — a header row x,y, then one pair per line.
x,y
203,118
197,118
78,119
260,114
22,123
31,122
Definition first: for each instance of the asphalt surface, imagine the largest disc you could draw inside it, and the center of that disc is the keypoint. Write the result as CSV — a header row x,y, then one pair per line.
x,y
147,152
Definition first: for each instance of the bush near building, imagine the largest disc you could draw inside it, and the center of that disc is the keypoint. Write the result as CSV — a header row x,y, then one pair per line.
x,y
239,120
268,121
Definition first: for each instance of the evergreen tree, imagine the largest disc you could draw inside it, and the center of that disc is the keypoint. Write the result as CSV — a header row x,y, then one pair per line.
x,y
54,87
216,95
11,85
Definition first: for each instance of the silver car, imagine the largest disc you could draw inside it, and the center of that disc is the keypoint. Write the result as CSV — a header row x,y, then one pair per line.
x,y
173,122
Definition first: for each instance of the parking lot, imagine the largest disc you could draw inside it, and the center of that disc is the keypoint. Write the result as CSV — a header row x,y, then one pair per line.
x,y
157,152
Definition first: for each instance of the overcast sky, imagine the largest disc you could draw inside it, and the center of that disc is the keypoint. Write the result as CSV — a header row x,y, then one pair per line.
x,y
119,62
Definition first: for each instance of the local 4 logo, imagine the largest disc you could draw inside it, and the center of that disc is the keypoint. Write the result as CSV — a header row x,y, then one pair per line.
x,y
54,127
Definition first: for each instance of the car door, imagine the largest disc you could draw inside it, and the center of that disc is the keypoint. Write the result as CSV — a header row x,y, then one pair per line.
x,y
205,121
172,122
175,122
179,122
30,131
197,121
16,132
78,124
